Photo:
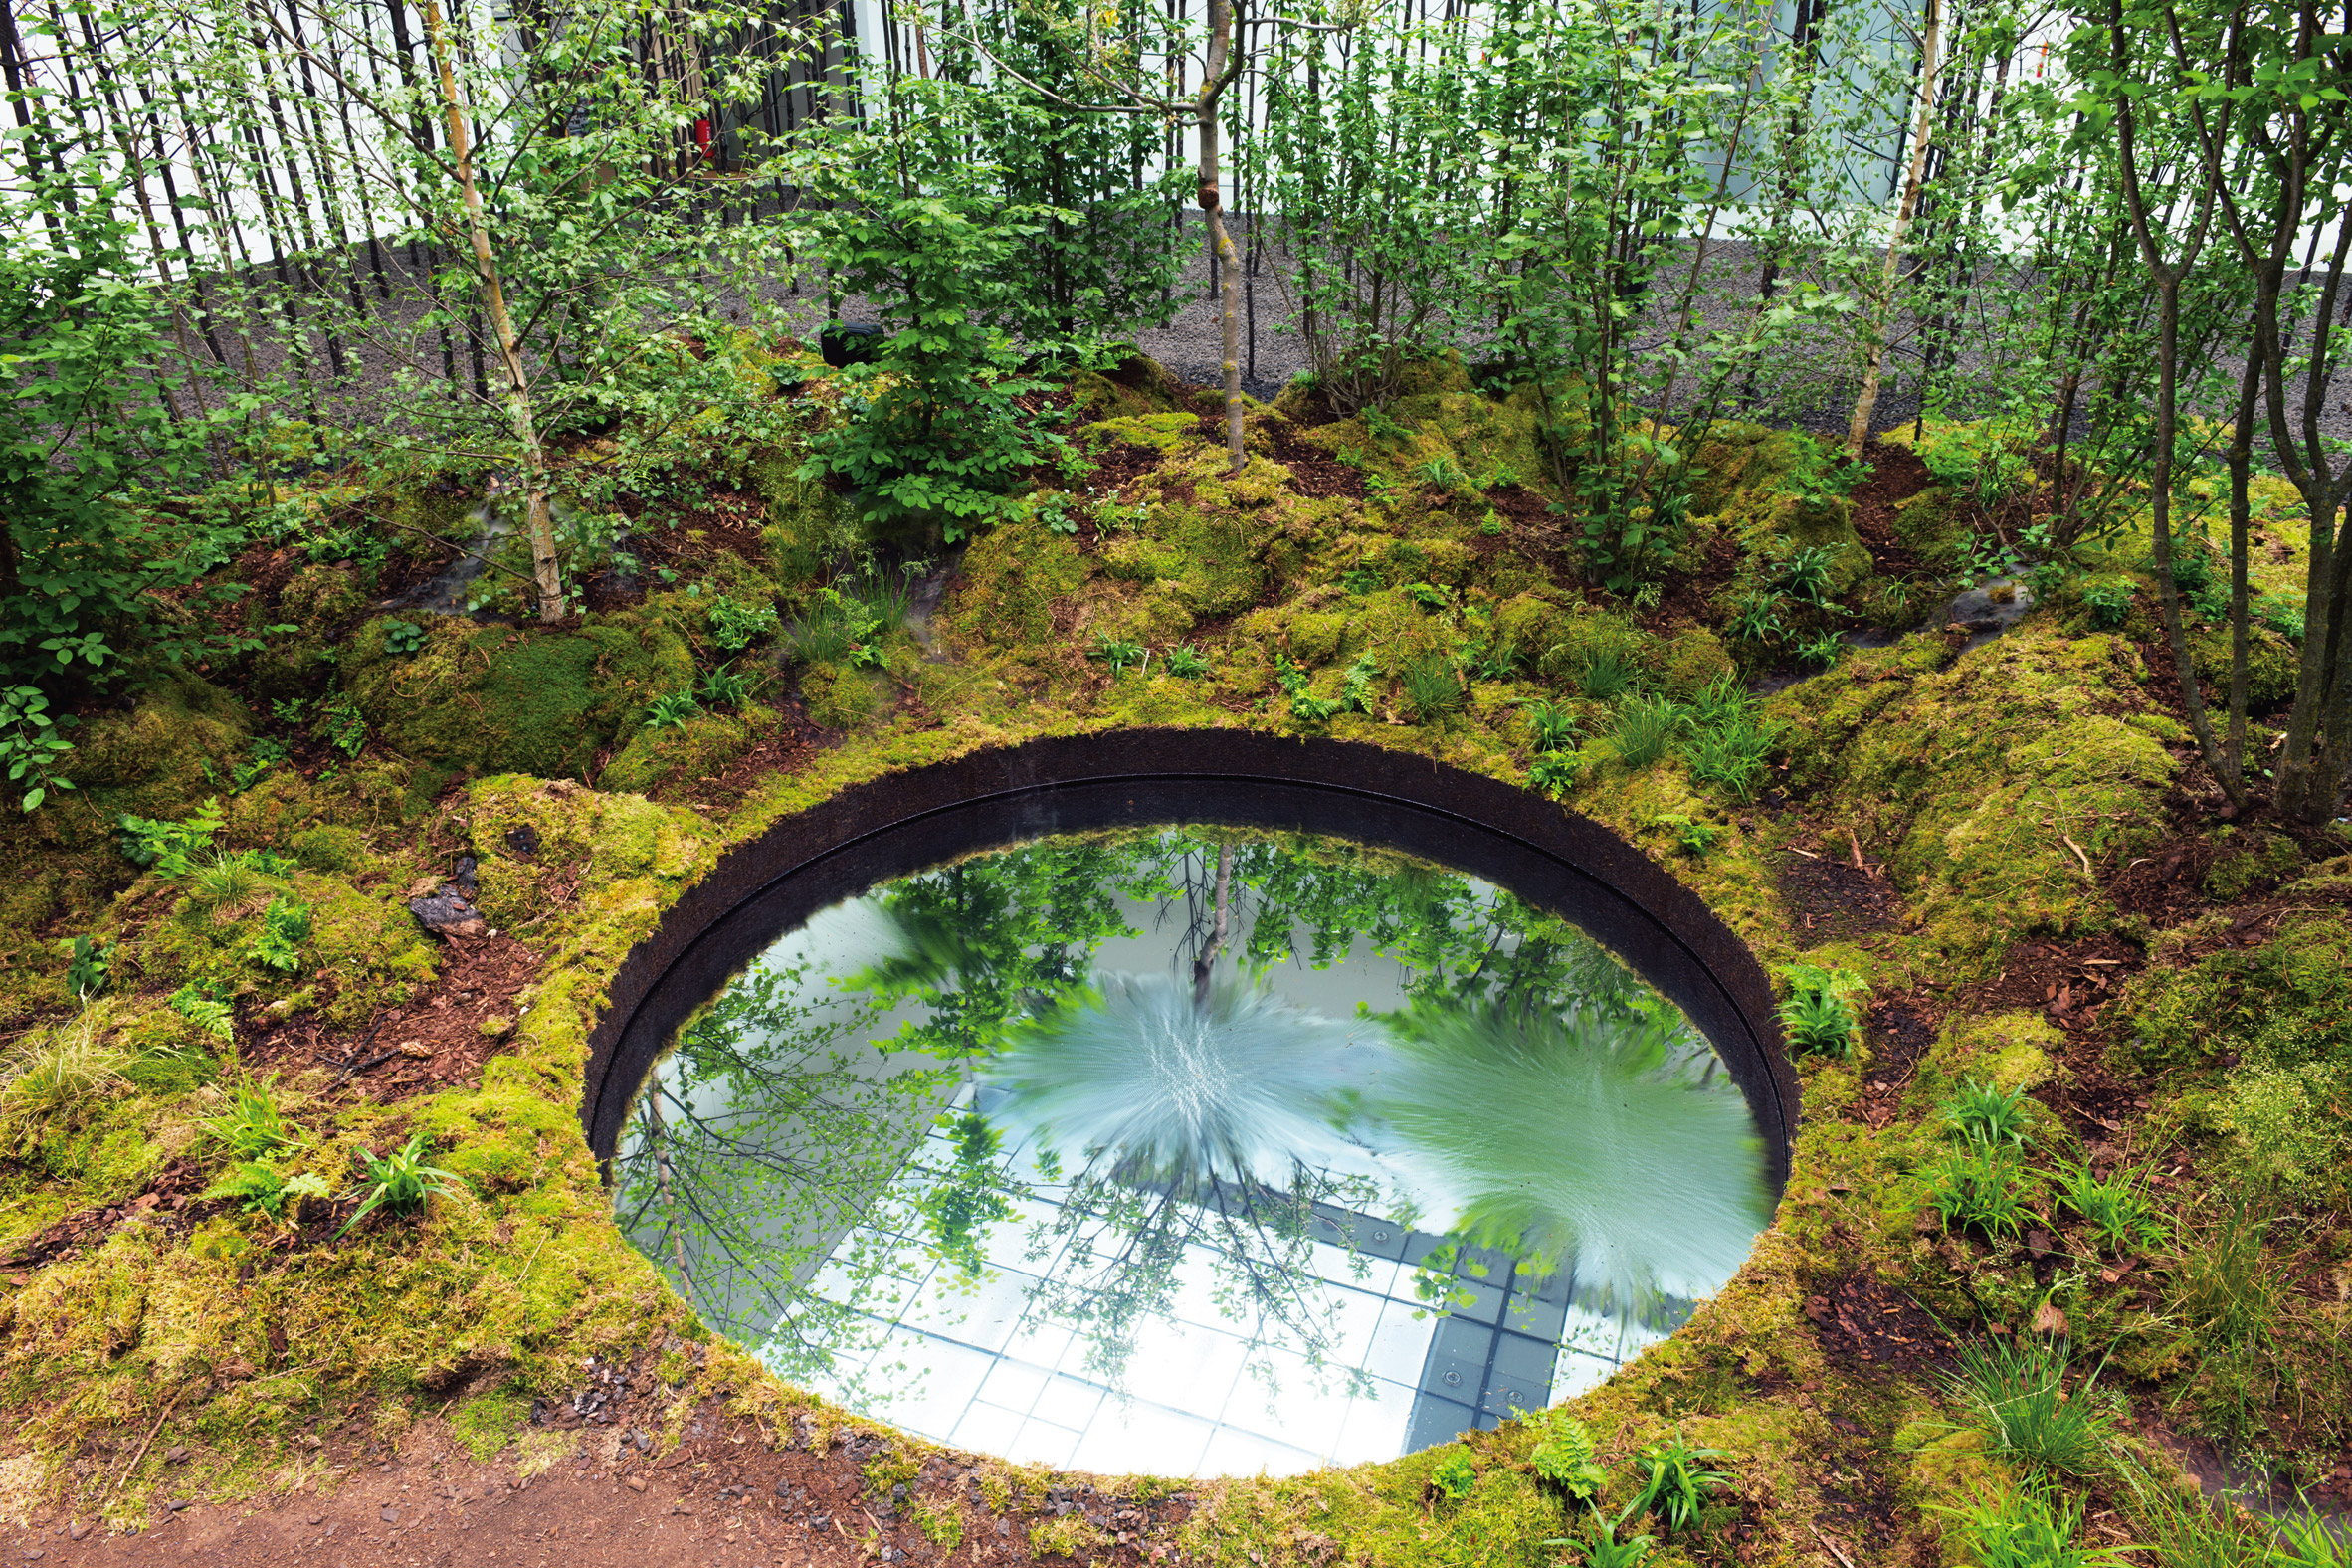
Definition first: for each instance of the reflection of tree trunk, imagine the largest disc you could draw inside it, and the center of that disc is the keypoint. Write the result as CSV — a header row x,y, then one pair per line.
x,y
661,1176
1205,965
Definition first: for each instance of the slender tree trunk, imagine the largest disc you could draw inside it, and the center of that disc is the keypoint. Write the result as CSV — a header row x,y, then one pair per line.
x,y
2241,473
2168,598
538,517
1858,430
1223,256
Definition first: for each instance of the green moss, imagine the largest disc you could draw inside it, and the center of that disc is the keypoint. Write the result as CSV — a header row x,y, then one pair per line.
x,y
2272,666
840,697
1167,432
2280,1005
701,748
1987,784
2248,861
1004,595
489,1422
327,849
486,700
1691,660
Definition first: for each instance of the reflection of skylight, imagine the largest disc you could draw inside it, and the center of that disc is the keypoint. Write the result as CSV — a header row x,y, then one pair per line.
x,y
975,1362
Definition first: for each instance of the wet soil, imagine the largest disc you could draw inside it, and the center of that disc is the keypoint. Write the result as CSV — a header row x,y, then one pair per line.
x,y
1860,1320
733,1494
1834,892
1897,475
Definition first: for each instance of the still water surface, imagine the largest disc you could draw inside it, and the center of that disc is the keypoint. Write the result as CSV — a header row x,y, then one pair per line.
x,y
1191,1152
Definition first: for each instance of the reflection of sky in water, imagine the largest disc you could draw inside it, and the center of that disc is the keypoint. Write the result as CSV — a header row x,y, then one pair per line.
x,y
1620,1155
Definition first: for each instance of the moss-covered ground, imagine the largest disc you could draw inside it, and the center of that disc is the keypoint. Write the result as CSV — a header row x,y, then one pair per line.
x,y
2005,856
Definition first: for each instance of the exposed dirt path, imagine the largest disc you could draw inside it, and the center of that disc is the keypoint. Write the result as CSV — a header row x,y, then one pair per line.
x,y
723,1498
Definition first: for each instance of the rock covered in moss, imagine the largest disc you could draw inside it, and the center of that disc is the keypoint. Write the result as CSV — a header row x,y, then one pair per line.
x,y
498,700
2272,666
699,748
842,697
535,842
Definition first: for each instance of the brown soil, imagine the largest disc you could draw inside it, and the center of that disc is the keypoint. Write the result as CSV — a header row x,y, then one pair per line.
x,y
730,1496
791,742
1897,475
1833,894
1860,1320
1313,471
436,1040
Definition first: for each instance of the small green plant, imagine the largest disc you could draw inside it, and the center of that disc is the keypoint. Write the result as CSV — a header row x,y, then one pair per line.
x,y
1383,429
31,746
722,687
1727,741
264,1189
941,1523
1757,619
2017,1395
170,849
1563,1456
735,626
2029,1528
1305,705
1606,677
1976,1187
1695,836
1981,1114
1360,581
1456,1474
341,725
1355,687
2108,603
402,638
2117,1210
1806,575
1603,1549
399,1181
1428,595
1818,1012
1187,662
1053,512
1441,473
851,621
1119,653
1433,687
1646,727
670,710
253,1127
286,926
1493,524
289,710
1676,1483
87,962
1823,648
1555,772
2281,613
230,886
265,754
1553,726
197,1003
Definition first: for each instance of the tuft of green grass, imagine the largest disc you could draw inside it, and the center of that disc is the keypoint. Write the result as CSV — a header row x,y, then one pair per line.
x,y
2029,1529
1676,1483
1979,1187
2117,1210
1554,727
1981,1114
400,1180
1819,1015
1646,727
2016,1396
1187,663
253,1127
670,710
1433,686
1606,677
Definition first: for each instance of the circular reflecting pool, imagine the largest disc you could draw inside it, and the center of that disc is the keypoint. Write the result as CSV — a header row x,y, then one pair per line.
x,y
1191,1150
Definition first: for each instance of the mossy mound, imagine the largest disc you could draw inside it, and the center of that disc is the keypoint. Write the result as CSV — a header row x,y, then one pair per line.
x,y
537,842
1989,783
1011,576
699,748
2272,666
489,699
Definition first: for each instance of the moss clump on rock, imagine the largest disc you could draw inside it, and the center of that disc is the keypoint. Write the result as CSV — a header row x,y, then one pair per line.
x,y
699,748
489,699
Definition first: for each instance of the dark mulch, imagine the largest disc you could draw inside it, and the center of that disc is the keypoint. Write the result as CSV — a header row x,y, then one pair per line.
x,y
727,522
434,1040
2069,984
1899,1031
1313,471
170,1199
1122,463
1858,1318
1897,475
1831,896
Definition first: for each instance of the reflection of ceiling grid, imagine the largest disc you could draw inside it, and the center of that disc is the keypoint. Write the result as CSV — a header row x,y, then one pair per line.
x,y
983,1370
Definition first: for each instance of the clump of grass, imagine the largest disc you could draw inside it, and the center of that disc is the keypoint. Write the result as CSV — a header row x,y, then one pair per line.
x,y
72,1068
229,887
400,1180
254,1127
1646,727
2029,1529
2016,1396
1726,739
1977,1187
2117,1210
1433,686
1606,676
1676,1483
1981,1114
1553,726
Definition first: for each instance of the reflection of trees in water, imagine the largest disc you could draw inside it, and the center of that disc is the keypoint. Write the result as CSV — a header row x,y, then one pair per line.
x,y
756,1145
1558,1105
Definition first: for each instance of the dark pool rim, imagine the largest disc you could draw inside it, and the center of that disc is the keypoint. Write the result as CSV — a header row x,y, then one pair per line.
x,y
1555,859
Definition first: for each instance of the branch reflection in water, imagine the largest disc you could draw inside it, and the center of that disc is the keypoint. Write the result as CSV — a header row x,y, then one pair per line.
x,y
1086,1107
